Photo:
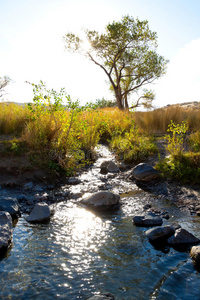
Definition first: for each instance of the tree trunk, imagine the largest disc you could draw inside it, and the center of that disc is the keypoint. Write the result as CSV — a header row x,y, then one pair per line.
x,y
119,99
126,102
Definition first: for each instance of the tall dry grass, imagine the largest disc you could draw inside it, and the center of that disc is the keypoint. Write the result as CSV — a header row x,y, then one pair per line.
x,y
66,136
157,121
13,118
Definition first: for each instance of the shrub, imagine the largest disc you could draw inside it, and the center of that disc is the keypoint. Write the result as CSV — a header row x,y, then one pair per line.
x,y
184,168
194,141
176,138
132,146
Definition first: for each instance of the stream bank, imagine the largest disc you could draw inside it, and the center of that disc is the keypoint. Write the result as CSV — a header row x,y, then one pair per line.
x,y
80,253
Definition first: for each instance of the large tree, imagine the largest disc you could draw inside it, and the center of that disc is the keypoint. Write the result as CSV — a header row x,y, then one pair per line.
x,y
126,52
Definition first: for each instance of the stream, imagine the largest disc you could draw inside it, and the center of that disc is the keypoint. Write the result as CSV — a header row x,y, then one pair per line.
x,y
80,253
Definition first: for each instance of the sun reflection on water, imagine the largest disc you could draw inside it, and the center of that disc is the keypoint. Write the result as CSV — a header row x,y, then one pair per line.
x,y
79,230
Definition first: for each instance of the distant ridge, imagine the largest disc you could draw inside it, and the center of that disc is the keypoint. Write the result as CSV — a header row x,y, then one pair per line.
x,y
185,105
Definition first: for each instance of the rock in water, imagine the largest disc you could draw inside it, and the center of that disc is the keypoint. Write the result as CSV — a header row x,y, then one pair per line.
x,y
40,214
5,230
101,200
144,172
183,237
195,254
147,221
11,205
109,166
160,233
104,296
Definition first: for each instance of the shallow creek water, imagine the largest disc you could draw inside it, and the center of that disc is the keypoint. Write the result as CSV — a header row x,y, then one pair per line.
x,y
81,253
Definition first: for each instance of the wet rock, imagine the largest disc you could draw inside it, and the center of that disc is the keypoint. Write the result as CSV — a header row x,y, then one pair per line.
x,y
73,181
195,254
183,237
77,195
122,167
5,230
176,225
146,206
40,214
29,185
66,193
166,216
38,188
104,296
101,200
11,205
160,233
148,220
144,172
109,166
21,198
104,170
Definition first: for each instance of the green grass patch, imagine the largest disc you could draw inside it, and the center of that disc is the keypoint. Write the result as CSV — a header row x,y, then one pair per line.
x,y
131,146
184,168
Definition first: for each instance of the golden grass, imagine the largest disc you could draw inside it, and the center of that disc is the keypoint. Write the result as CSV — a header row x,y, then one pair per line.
x,y
13,118
157,121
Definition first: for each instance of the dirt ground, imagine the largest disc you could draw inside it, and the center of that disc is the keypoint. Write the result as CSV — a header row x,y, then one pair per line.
x,y
17,169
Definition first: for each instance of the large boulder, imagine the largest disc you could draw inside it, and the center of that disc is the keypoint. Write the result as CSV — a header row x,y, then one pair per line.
x,y
148,220
144,172
104,296
195,254
11,205
5,230
182,237
160,233
109,166
40,214
101,200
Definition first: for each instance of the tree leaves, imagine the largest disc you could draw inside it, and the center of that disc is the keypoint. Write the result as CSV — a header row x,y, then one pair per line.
x,y
127,54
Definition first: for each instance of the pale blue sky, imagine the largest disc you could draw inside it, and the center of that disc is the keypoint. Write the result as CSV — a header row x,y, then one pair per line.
x,y
31,46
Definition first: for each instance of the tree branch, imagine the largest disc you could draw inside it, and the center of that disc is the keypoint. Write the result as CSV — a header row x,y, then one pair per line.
x,y
98,64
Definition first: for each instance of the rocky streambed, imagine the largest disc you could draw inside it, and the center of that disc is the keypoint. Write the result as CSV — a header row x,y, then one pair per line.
x,y
85,250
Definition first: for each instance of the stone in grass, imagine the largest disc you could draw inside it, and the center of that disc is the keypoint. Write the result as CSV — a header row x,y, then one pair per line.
x,y
101,200
104,296
5,230
40,214
182,237
148,220
160,233
144,172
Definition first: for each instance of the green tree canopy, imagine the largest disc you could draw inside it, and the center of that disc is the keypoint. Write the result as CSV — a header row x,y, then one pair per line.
x,y
126,52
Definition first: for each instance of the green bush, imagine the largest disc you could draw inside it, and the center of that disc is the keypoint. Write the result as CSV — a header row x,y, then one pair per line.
x,y
184,168
132,146
194,141
176,138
